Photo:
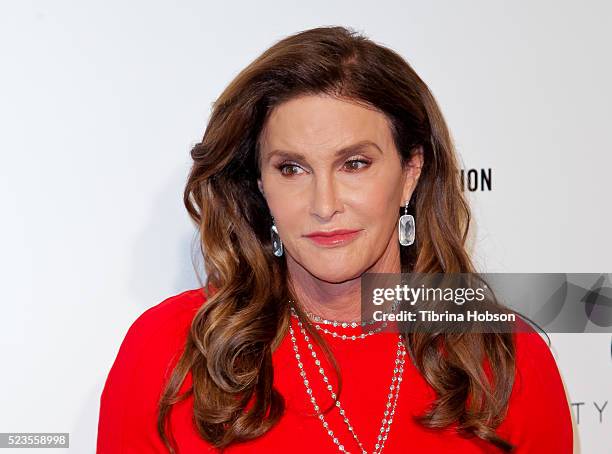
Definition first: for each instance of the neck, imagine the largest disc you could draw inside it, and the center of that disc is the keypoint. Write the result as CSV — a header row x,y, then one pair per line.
x,y
339,301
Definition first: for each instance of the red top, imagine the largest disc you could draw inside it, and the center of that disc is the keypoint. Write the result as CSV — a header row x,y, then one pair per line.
x,y
538,419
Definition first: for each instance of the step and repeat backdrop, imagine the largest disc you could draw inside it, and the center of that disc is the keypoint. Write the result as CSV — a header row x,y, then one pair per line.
x,y
102,101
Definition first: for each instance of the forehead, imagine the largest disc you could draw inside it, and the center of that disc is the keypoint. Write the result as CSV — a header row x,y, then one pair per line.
x,y
321,123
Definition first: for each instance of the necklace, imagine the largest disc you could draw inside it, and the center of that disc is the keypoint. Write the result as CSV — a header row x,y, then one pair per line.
x,y
344,325
392,397
317,319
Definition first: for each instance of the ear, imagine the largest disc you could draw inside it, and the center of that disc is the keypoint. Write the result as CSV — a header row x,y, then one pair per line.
x,y
412,172
260,186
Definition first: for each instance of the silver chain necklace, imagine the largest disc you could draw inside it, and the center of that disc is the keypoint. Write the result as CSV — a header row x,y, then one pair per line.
x,y
317,319
344,325
392,397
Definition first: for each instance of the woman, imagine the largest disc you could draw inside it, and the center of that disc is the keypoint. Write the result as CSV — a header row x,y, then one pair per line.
x,y
310,156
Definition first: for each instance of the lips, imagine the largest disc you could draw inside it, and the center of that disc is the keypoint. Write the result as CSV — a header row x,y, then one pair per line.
x,y
333,237
331,233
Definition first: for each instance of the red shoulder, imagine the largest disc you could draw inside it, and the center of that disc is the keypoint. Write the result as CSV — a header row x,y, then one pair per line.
x,y
539,414
171,313
150,348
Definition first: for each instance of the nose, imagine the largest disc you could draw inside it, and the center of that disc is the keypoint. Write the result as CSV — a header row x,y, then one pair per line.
x,y
325,198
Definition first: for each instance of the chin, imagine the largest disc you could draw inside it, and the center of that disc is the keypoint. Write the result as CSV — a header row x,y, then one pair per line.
x,y
337,272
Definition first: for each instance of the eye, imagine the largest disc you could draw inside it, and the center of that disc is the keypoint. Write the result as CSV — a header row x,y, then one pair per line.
x,y
353,164
292,169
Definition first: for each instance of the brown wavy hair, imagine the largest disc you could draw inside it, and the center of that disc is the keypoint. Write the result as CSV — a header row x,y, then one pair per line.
x,y
234,334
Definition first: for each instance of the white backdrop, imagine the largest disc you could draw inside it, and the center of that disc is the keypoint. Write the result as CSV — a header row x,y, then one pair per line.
x,y
102,100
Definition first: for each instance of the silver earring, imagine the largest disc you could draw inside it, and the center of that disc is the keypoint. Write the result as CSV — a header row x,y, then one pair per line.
x,y
277,244
406,228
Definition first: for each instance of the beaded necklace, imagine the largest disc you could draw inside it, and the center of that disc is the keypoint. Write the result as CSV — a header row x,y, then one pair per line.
x,y
392,397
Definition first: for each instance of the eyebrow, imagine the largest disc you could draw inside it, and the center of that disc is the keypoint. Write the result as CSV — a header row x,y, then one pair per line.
x,y
350,149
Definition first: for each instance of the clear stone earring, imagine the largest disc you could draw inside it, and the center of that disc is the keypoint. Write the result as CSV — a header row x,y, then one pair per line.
x,y
277,244
406,228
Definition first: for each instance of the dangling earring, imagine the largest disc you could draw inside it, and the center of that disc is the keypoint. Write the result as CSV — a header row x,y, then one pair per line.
x,y
406,228
277,244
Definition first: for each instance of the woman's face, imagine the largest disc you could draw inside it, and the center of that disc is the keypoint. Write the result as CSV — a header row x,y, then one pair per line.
x,y
313,182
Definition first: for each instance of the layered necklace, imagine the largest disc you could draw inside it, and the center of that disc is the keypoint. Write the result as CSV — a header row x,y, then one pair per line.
x,y
319,320
394,388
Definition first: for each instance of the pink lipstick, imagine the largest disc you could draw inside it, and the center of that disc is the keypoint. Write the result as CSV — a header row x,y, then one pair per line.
x,y
333,237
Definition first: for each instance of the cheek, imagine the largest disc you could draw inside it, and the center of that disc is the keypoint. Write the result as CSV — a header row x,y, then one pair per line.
x,y
289,213
378,209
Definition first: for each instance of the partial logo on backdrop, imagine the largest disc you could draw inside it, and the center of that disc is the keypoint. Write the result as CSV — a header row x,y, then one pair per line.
x,y
590,412
479,179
